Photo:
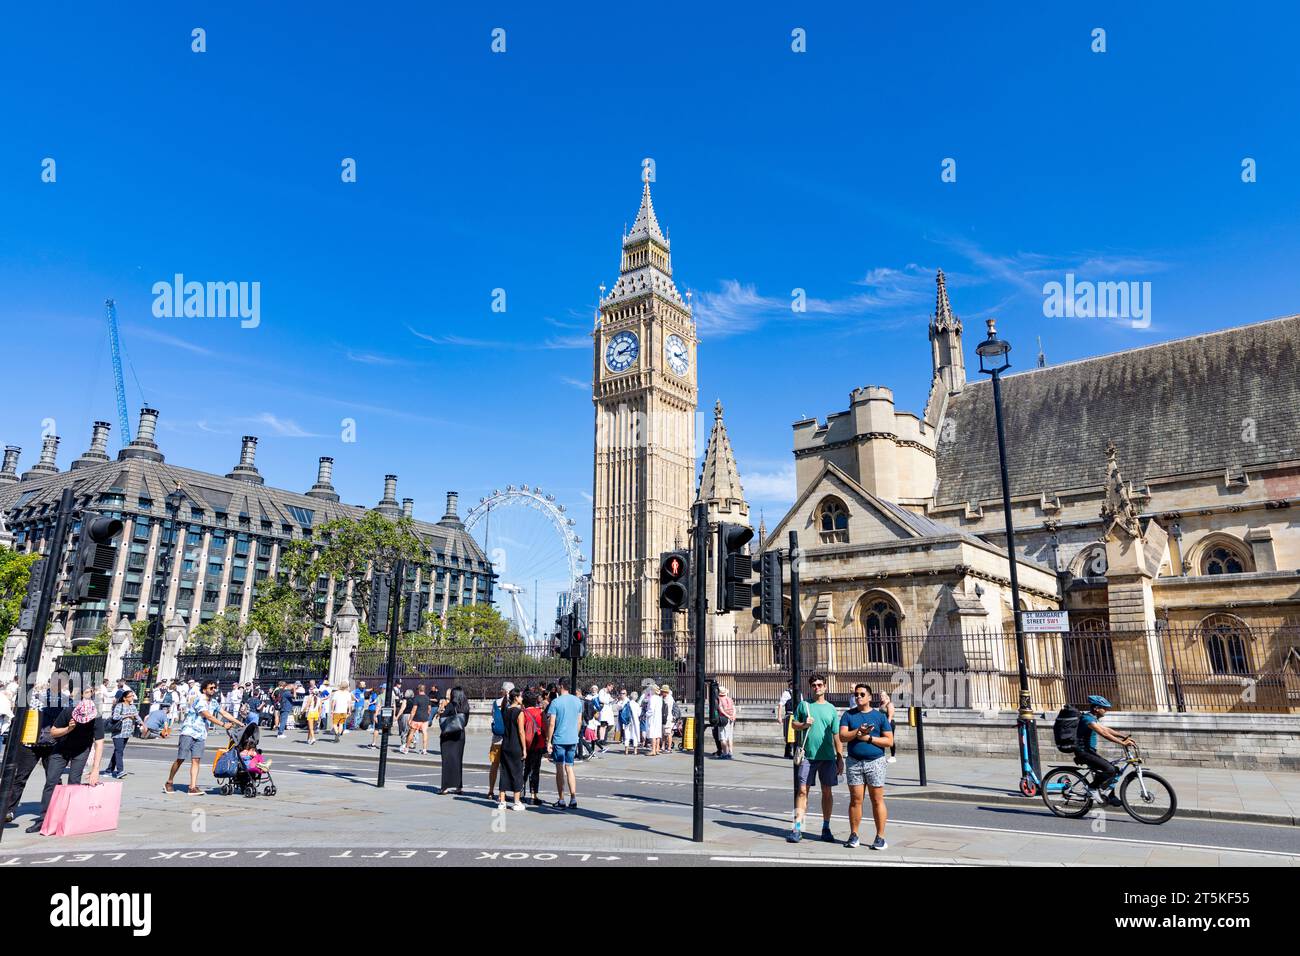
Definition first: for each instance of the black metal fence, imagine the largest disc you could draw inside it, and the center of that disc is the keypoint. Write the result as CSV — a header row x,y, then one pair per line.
x,y
480,671
221,667
1227,668
1223,666
273,666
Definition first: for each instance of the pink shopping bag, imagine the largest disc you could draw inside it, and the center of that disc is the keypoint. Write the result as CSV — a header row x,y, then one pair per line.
x,y
84,809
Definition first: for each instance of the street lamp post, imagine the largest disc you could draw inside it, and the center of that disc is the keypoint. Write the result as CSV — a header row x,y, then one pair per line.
x,y
993,353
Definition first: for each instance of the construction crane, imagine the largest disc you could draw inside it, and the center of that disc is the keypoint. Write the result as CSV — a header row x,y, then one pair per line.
x,y
116,350
521,616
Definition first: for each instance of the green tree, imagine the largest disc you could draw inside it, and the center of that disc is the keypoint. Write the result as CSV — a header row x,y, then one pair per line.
x,y
476,625
345,549
15,571
279,614
223,633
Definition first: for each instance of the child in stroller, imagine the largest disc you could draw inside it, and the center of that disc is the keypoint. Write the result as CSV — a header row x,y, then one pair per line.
x,y
242,768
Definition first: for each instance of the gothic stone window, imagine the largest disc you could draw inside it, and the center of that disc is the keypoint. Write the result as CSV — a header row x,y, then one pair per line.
x,y
880,623
833,521
1226,644
1223,559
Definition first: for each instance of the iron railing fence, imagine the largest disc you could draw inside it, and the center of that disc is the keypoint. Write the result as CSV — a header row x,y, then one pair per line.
x,y
1227,667
274,666
220,666
480,671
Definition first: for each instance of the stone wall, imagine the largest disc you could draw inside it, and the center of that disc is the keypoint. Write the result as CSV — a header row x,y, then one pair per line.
x,y
1237,741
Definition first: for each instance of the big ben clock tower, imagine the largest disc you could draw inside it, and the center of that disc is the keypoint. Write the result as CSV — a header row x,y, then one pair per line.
x,y
644,390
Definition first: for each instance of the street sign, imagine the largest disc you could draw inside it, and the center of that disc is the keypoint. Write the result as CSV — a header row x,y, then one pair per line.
x,y
1044,622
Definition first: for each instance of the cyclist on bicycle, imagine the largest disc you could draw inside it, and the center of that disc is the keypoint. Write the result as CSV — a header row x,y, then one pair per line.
x,y
1085,749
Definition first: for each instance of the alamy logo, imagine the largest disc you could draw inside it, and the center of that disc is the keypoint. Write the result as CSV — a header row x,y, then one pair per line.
x,y
1103,300
208,300
77,909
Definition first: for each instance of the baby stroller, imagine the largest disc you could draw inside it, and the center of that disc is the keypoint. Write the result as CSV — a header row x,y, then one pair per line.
x,y
234,771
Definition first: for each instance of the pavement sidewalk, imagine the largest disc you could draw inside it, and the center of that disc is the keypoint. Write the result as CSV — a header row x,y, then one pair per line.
x,y
1250,796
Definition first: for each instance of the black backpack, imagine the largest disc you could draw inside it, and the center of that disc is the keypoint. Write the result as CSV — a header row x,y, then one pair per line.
x,y
1065,731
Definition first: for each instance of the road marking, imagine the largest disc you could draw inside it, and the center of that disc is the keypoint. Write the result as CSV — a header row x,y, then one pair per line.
x,y
1091,837
814,861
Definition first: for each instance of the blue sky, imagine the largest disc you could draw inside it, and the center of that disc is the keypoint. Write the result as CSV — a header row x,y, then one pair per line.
x,y
478,171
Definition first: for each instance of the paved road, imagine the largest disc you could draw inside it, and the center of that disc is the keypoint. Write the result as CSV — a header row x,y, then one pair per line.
x,y
329,810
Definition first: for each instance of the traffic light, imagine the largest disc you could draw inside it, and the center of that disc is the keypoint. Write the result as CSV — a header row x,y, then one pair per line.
x,y
152,651
381,586
573,637
768,588
414,611
36,577
577,640
674,580
564,635
713,703
92,563
734,567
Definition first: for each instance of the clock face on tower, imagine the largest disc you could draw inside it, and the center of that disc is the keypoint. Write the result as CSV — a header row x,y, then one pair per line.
x,y
679,360
621,351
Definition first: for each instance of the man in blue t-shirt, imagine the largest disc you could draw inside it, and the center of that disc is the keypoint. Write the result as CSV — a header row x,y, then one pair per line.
x,y
1085,748
563,722
867,733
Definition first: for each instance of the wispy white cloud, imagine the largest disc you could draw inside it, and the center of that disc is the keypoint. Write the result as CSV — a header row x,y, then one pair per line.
x,y
771,486
282,427
514,345
1027,271
372,358
576,383
153,335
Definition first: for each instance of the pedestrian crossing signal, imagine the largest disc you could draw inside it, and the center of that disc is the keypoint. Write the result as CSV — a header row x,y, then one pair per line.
x,y
92,562
674,580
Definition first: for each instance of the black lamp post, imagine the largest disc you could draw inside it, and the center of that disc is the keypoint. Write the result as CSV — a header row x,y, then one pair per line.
x,y
993,353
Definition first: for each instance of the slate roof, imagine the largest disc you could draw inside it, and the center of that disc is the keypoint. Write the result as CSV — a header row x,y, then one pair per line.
x,y
1175,408
134,478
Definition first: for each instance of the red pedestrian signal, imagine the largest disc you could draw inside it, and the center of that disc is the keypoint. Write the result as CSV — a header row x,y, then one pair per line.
x,y
674,580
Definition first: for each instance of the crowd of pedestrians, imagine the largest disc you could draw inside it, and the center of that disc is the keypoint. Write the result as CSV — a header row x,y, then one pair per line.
x,y
529,726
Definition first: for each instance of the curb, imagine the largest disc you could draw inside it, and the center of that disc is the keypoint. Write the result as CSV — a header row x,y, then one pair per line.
x,y
955,796
1014,800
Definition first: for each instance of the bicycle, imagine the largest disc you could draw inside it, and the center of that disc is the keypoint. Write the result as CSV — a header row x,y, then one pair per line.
x,y
1146,796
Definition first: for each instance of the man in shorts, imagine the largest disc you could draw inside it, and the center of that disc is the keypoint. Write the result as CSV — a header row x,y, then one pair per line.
x,y
823,756
866,730
421,708
194,734
563,724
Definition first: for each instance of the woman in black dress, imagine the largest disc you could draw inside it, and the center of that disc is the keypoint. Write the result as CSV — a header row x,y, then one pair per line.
x,y
452,719
512,752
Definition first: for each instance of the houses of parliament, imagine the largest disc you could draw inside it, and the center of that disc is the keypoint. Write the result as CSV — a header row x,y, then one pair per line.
x,y
1153,490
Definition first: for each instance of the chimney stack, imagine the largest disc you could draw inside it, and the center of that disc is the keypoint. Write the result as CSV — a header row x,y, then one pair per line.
x,y
451,518
324,487
97,453
148,425
388,504
246,470
10,471
408,507
46,466
143,445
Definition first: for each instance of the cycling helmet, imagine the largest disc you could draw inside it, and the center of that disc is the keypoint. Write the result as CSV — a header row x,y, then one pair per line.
x,y
1096,700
